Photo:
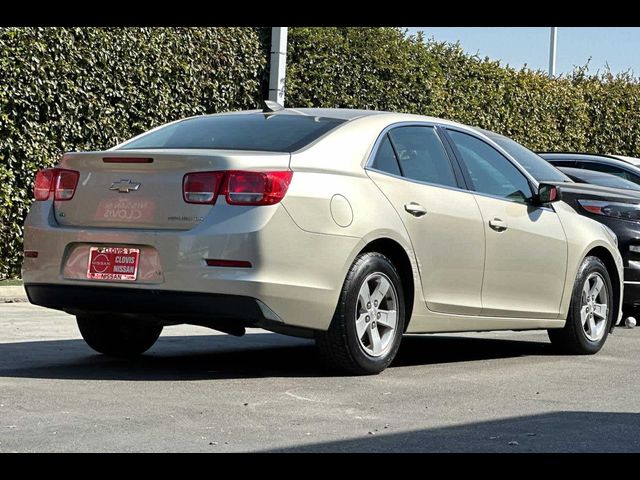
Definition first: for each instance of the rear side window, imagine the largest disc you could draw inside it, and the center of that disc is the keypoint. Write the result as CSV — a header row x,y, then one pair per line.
x,y
385,159
422,156
251,131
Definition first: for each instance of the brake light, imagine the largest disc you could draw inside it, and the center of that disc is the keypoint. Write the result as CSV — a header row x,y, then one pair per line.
x,y
43,184
256,188
201,187
127,160
59,181
238,187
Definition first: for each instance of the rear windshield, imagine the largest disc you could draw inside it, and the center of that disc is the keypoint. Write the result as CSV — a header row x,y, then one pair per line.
x,y
251,131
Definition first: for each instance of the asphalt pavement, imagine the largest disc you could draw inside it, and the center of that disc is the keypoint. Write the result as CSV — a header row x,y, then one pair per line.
x,y
200,391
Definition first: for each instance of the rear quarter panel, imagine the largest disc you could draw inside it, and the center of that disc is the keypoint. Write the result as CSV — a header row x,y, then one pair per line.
x,y
331,194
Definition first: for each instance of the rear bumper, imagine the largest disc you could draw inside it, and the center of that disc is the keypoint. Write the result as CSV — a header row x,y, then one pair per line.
x,y
294,273
160,303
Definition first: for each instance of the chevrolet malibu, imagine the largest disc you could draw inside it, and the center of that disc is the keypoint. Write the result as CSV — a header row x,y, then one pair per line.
x,y
351,227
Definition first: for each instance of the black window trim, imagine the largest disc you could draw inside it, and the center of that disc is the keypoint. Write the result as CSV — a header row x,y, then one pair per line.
x,y
395,152
533,184
457,172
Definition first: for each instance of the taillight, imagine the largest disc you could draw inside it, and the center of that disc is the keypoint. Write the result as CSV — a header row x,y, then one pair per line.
x,y
59,181
256,188
43,185
201,187
66,183
238,187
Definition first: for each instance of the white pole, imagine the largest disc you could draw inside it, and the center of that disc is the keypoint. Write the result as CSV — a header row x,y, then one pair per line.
x,y
552,51
278,68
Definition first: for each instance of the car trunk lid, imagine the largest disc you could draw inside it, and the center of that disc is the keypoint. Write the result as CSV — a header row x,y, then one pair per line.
x,y
143,188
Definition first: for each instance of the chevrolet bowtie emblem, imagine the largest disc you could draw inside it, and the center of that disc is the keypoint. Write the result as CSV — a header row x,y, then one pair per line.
x,y
124,186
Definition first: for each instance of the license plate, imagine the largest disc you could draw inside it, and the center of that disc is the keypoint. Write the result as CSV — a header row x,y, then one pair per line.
x,y
113,263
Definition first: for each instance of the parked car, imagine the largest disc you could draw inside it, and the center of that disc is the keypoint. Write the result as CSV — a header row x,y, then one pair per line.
x,y
632,160
598,178
351,227
601,163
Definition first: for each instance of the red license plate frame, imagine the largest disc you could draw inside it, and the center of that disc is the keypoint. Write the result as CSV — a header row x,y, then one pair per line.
x,y
113,264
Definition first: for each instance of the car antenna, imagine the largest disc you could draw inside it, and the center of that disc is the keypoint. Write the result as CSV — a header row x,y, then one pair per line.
x,y
270,106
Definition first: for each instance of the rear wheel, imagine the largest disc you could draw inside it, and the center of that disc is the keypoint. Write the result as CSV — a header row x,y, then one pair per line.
x,y
118,335
590,312
365,333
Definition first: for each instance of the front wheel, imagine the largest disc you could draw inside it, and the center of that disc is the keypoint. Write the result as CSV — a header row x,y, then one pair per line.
x,y
365,333
118,335
590,312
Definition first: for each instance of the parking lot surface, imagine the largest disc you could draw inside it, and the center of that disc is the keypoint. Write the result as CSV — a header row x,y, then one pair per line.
x,y
197,390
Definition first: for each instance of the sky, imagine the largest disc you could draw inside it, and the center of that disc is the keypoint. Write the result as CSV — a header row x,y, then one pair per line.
x,y
517,46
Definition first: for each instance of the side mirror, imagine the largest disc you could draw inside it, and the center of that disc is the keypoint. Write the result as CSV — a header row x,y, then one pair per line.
x,y
548,193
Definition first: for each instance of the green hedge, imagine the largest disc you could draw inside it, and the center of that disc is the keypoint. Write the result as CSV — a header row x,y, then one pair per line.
x,y
382,68
65,89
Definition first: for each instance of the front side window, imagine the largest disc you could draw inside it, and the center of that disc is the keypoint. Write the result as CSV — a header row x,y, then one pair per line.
x,y
422,156
490,172
534,164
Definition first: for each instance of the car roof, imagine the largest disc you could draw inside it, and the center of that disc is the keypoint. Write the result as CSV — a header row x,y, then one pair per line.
x,y
631,160
604,159
349,114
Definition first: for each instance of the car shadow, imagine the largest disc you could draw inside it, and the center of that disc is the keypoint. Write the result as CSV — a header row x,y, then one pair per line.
x,y
222,357
563,431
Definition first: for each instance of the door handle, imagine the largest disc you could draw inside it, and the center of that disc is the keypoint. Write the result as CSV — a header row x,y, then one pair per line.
x,y
498,225
415,209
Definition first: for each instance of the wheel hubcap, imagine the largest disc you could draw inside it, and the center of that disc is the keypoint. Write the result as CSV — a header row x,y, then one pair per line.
x,y
376,314
594,307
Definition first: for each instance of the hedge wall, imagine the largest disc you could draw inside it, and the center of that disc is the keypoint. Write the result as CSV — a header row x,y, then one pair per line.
x,y
67,89
382,68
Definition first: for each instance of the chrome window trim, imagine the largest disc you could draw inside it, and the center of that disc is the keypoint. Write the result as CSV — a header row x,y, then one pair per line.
x,y
456,189
419,182
379,139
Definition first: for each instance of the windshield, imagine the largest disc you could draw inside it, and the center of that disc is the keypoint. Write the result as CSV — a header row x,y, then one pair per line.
x,y
598,178
251,131
537,166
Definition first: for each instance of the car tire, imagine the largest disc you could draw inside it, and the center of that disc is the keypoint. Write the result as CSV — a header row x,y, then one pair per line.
x,y
586,329
118,335
364,336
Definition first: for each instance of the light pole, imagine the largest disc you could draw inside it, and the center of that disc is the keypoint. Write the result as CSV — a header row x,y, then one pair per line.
x,y
552,51
278,68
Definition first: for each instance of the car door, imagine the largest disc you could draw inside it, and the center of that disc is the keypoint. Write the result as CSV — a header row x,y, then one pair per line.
x,y
412,168
526,249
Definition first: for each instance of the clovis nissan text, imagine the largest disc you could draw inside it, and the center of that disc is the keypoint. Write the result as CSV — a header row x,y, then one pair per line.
x,y
348,226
